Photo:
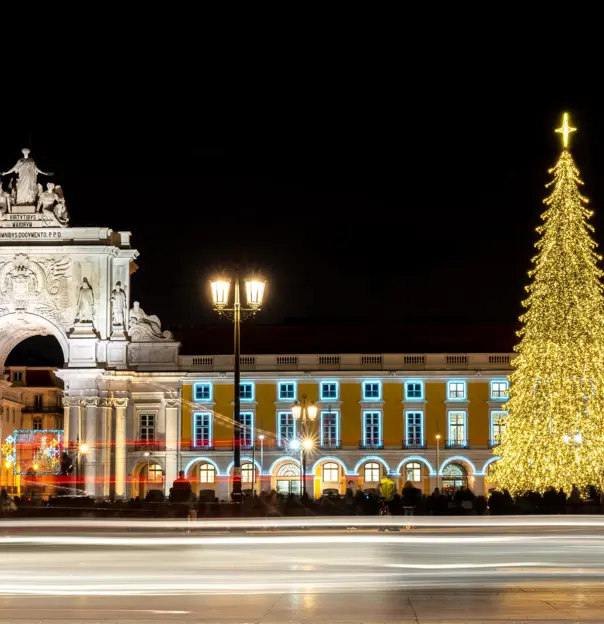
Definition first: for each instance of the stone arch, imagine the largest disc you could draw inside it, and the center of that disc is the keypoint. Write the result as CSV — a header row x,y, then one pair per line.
x,y
201,460
139,479
245,460
329,458
459,459
281,460
489,461
371,458
416,458
14,328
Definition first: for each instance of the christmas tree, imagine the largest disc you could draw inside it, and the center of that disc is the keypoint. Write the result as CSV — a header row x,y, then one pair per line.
x,y
554,429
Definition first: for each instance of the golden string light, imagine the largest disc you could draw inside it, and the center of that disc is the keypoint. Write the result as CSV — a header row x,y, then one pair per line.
x,y
554,431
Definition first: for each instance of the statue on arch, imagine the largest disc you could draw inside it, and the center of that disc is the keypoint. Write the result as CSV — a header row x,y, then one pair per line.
x,y
27,176
119,306
53,201
85,307
146,327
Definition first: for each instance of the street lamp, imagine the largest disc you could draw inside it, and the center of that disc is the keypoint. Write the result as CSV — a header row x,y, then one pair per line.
x,y
438,461
254,288
304,413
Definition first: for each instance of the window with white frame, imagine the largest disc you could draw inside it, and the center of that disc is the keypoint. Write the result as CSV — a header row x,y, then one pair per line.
x,y
246,430
146,429
202,392
372,390
287,391
372,429
499,389
247,473
457,429
202,429
207,473
497,426
329,390
246,391
413,472
37,424
331,472
330,428
456,390
371,473
286,428
414,429
414,390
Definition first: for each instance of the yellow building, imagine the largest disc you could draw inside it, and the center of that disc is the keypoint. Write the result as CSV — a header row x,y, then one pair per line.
x,y
428,418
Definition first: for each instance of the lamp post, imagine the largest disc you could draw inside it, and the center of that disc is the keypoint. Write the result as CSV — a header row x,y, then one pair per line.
x,y
261,438
304,413
438,461
254,288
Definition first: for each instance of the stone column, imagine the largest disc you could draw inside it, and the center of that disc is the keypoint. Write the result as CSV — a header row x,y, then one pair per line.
x,y
120,446
66,406
172,443
105,409
91,476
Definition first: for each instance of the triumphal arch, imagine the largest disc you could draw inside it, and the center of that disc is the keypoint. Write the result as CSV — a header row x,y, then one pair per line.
x,y
74,283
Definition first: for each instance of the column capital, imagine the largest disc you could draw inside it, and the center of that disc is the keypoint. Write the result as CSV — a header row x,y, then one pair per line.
x,y
120,402
90,401
171,403
69,401
105,402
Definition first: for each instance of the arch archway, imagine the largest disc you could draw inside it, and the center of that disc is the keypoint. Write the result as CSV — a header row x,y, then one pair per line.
x,y
15,328
147,475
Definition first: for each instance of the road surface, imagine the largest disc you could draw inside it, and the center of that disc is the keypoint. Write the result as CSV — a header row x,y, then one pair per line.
x,y
450,570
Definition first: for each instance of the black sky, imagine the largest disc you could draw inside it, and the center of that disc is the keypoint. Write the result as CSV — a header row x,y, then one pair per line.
x,y
404,207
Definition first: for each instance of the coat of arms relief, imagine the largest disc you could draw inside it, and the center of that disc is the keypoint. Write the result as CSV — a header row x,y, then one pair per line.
x,y
36,286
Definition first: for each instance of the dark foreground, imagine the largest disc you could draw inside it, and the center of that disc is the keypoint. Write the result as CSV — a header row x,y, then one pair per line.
x,y
431,574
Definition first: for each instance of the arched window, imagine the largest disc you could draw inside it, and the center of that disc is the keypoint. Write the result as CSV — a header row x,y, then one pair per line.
x,y
413,472
207,473
372,472
331,472
247,473
289,470
155,472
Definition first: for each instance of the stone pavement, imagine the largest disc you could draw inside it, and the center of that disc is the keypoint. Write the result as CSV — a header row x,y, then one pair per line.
x,y
535,603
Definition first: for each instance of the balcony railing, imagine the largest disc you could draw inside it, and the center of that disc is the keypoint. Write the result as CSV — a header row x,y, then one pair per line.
x,y
47,409
201,447
371,444
413,445
147,445
331,444
457,445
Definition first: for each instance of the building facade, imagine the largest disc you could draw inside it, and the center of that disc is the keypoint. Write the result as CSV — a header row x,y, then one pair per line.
x,y
135,410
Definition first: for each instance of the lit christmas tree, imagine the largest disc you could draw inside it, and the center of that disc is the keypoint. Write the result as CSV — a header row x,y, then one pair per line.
x,y
554,430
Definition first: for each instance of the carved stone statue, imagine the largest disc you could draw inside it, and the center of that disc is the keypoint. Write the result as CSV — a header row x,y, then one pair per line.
x,y
27,176
53,200
146,327
85,308
119,308
5,201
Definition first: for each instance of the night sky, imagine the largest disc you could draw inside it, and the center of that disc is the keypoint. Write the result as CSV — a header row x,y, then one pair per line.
x,y
401,211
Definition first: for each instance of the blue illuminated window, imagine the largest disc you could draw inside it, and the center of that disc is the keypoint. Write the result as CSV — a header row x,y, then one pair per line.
x,y
497,426
414,429
246,432
286,428
329,390
202,392
414,390
372,429
246,391
456,390
457,425
202,431
499,389
372,390
287,391
330,429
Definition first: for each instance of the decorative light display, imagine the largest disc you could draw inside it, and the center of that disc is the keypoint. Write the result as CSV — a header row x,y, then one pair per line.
x,y
35,451
554,430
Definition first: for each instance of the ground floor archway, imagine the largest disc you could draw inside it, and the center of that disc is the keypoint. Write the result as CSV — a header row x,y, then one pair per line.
x,y
147,475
